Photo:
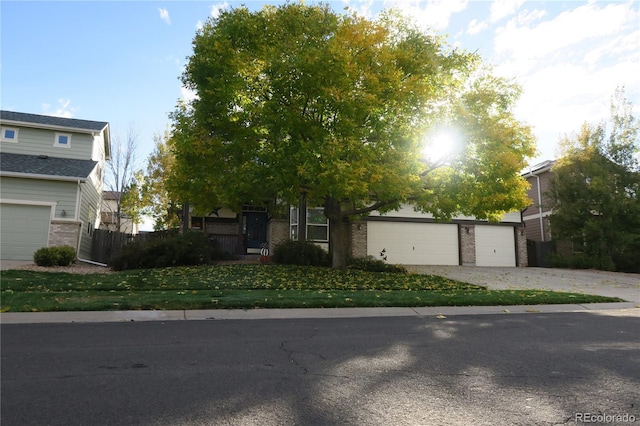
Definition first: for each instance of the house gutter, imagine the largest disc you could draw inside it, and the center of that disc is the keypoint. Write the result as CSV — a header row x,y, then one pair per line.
x,y
539,204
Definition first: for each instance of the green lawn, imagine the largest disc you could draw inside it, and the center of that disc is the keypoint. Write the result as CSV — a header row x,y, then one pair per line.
x,y
253,286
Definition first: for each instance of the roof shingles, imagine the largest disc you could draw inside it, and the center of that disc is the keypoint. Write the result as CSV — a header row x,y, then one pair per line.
x,y
46,166
47,120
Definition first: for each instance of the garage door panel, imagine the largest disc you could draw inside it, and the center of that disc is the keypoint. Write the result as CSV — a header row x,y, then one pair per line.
x,y
495,246
414,243
24,229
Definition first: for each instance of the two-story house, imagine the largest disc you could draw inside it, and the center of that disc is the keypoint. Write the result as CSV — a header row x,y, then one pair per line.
x,y
109,214
536,216
51,181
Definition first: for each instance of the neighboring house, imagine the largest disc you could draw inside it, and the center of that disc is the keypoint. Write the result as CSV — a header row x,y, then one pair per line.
x,y
400,237
51,181
536,217
109,214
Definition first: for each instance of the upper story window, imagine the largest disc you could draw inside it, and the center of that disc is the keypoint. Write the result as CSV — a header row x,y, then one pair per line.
x,y
62,140
9,134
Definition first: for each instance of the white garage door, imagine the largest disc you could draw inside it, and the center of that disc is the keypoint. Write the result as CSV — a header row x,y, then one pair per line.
x,y
23,230
495,246
414,243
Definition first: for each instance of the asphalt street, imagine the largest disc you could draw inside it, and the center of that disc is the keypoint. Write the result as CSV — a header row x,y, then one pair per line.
x,y
522,369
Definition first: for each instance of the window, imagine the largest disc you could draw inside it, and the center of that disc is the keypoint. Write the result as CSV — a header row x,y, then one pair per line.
x,y
63,140
9,134
317,225
293,223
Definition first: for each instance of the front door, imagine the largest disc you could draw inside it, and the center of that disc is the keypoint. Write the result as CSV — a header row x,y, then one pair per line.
x,y
255,230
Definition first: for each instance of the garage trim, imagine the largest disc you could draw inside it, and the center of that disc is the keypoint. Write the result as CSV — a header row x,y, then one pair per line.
x,y
32,203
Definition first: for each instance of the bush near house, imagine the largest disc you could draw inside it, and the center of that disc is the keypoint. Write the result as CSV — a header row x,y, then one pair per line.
x,y
190,248
303,253
55,256
372,264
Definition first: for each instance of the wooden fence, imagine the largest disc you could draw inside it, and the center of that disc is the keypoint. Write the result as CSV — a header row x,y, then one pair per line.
x,y
107,244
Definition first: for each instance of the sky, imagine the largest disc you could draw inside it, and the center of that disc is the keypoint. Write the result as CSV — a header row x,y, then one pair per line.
x,y
121,61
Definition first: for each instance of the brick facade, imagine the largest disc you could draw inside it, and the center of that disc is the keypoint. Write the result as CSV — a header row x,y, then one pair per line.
x,y
359,239
277,232
64,233
468,245
521,247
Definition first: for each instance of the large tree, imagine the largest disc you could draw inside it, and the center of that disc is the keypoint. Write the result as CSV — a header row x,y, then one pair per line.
x,y
297,101
596,190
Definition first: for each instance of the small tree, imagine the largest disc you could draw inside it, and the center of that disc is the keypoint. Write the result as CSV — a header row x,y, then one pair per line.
x,y
150,188
596,187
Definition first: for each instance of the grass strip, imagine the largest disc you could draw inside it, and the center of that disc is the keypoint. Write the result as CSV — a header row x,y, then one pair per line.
x,y
253,286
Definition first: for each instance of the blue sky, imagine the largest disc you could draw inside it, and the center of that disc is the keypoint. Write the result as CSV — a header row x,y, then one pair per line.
x,y
120,61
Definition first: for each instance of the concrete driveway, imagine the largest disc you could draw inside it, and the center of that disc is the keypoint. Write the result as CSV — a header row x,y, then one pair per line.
x,y
612,284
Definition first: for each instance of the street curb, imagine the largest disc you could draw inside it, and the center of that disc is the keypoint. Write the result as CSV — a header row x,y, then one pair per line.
x,y
621,309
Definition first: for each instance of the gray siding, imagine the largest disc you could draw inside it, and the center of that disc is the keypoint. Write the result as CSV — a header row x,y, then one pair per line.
x,y
90,201
40,142
62,193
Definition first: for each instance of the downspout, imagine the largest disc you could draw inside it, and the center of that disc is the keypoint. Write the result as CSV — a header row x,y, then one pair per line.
x,y
539,204
78,211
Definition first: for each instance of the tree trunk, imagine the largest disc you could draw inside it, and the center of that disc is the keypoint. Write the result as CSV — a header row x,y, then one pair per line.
x,y
339,237
339,242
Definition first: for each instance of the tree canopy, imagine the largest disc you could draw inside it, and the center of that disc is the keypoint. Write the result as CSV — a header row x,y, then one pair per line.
x,y
298,101
596,187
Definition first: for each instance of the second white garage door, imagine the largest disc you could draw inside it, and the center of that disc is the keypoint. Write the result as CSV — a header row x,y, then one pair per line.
x,y
495,246
414,243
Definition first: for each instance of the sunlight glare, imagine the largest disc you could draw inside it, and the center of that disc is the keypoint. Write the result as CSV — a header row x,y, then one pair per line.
x,y
440,145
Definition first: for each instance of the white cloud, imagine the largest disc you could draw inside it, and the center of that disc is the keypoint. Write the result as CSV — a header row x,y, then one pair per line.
x,y
217,8
361,7
432,14
567,29
503,8
164,15
476,27
187,95
199,25
64,109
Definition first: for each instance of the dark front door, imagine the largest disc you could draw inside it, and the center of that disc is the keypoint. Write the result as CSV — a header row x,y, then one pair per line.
x,y
255,229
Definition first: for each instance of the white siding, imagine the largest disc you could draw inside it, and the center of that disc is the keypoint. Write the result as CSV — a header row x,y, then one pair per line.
x,y
407,211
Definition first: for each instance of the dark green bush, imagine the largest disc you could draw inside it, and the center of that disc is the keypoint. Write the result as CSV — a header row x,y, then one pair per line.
x,y
371,264
190,248
54,256
581,261
303,253
66,255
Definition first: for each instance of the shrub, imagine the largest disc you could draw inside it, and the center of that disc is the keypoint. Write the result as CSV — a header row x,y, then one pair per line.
x,y
303,253
190,248
66,255
581,261
371,264
55,256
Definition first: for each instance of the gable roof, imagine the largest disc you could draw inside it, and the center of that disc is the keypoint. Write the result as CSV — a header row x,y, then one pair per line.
x,y
45,167
58,123
49,121
538,168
